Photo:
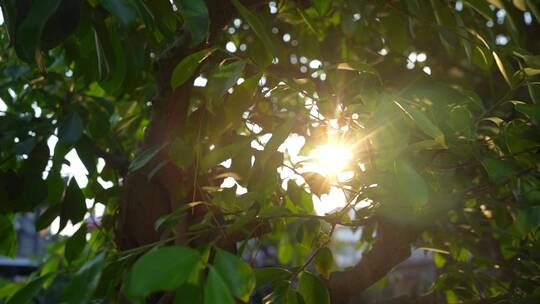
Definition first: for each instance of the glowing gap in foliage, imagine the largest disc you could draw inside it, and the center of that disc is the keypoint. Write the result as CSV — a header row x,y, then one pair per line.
x,y
331,158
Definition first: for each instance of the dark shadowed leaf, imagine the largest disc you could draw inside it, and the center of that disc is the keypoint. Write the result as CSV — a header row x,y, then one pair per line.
x,y
29,32
81,287
223,79
27,293
188,294
322,6
499,171
73,206
124,10
163,268
269,275
256,24
181,153
145,156
8,239
70,128
75,243
532,111
196,19
185,69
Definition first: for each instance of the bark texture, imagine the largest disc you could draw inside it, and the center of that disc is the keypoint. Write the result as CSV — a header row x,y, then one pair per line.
x,y
392,246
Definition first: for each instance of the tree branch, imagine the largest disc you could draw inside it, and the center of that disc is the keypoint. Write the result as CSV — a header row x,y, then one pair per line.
x,y
392,246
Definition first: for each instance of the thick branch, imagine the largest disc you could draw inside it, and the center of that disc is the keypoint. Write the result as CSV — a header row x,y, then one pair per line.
x,y
392,246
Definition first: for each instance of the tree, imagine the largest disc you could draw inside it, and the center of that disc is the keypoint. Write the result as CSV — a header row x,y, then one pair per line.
x,y
438,102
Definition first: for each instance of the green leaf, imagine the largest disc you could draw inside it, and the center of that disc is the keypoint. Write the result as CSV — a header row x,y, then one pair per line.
x,y
70,128
278,137
223,79
439,260
38,193
47,217
196,19
524,221
531,72
482,7
124,10
531,111
424,123
412,185
8,238
358,67
163,268
73,206
299,196
520,4
25,146
216,290
174,217
534,9
504,68
461,120
82,286
27,293
324,262
75,243
283,293
499,171
145,156
221,154
313,290
269,275
9,12
256,24
188,294
30,31
185,69
322,6
318,184
482,57
181,153
236,273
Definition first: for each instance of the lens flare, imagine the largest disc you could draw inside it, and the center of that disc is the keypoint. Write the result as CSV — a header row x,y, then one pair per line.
x,y
332,158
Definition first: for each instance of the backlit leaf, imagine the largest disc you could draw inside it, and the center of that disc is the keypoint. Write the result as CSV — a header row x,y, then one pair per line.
x,y
236,273
185,69
412,185
313,290
324,262
256,24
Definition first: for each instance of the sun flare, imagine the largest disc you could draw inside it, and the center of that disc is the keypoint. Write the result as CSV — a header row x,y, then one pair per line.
x,y
332,158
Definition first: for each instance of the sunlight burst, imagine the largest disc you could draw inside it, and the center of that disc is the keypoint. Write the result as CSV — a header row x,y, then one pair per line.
x,y
332,158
